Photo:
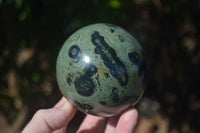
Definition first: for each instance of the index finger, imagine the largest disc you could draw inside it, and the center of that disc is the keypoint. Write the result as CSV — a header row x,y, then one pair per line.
x,y
48,120
61,102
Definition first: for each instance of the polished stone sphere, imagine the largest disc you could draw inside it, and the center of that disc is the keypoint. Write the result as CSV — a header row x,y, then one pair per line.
x,y
101,70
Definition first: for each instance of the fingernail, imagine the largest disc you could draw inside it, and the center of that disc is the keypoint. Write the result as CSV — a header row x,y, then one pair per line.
x,y
67,105
131,114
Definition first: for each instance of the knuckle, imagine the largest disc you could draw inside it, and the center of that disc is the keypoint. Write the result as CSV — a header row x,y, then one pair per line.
x,y
39,113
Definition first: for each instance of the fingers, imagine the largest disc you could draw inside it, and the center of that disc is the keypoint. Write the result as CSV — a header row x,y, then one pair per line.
x,y
48,120
91,124
124,123
127,121
118,124
112,123
61,102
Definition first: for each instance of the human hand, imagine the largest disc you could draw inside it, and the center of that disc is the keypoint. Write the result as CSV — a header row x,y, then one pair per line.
x,y
57,118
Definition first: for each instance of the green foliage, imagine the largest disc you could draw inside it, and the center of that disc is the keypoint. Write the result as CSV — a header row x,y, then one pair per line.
x,y
116,4
18,3
35,77
23,15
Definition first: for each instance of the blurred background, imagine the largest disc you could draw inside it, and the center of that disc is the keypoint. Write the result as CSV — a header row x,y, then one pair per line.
x,y
33,31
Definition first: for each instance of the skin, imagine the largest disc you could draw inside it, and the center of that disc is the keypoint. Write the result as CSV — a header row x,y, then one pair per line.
x,y
57,118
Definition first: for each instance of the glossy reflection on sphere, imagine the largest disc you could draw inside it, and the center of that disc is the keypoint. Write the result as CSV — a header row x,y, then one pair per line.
x,y
101,69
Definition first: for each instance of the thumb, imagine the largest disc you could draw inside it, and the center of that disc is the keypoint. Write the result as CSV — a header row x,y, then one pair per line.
x,y
48,120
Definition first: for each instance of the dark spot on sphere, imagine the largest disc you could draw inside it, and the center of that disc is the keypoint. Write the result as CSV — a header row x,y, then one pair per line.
x,y
106,75
140,61
114,98
109,56
69,80
114,95
74,51
112,31
121,38
134,57
114,90
102,103
83,106
84,86
91,70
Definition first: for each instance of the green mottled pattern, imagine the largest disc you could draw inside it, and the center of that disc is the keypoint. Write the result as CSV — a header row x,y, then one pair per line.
x,y
68,69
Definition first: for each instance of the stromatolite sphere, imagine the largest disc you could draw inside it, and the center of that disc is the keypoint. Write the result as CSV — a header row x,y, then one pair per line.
x,y
100,69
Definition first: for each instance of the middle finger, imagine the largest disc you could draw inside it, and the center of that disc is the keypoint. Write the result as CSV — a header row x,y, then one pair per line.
x,y
91,124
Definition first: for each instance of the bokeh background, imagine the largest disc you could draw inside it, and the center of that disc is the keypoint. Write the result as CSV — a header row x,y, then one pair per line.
x,y
33,31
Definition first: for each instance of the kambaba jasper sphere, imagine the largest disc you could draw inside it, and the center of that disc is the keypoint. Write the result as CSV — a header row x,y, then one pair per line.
x,y
101,70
